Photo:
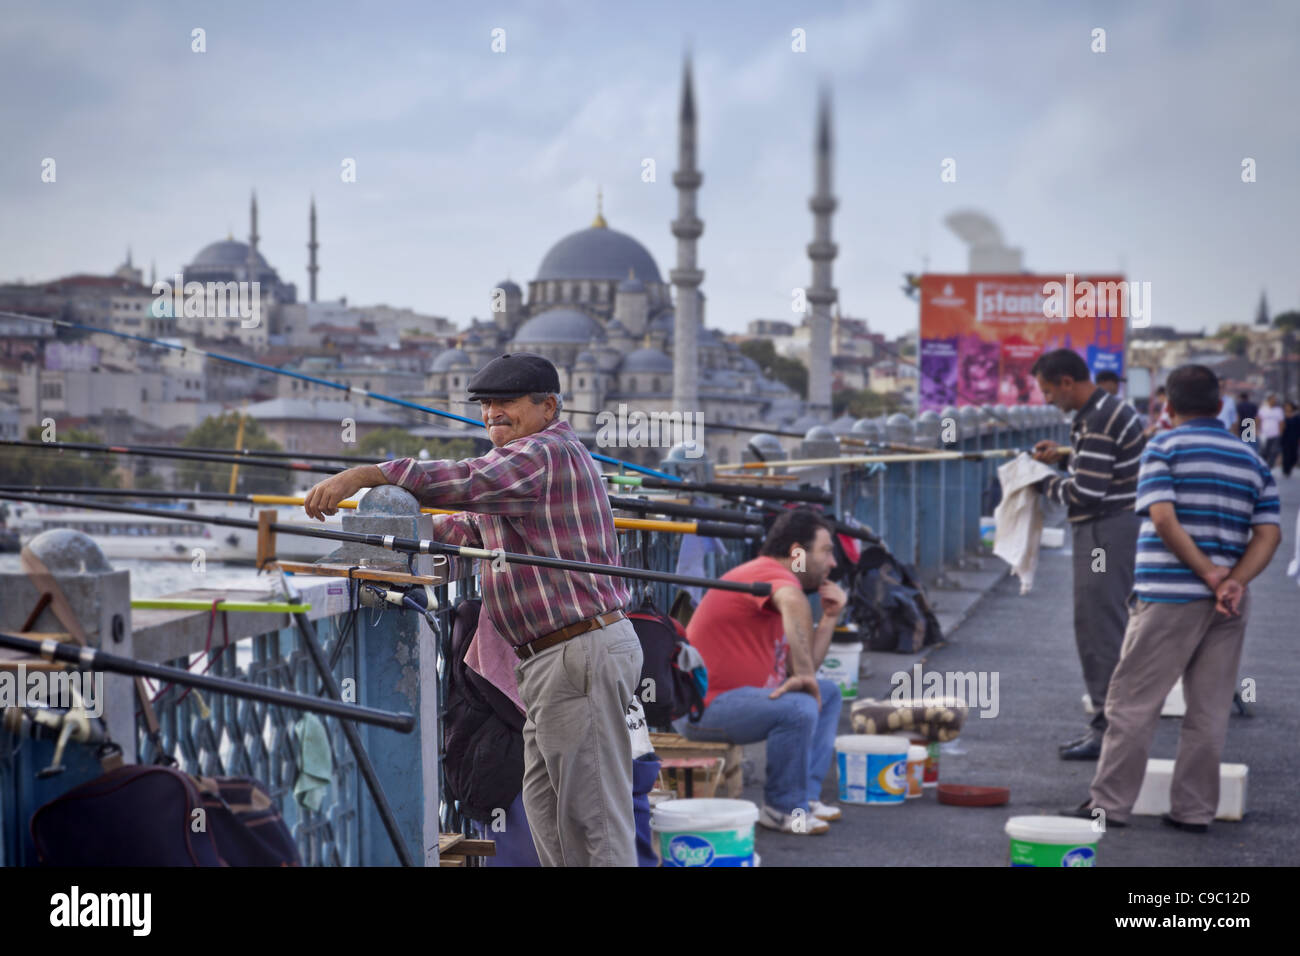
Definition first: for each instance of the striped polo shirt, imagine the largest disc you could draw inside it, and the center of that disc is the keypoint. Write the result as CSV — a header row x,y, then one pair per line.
x,y
1219,488
1106,445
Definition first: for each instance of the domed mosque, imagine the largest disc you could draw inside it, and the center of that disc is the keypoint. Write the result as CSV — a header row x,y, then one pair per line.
x,y
599,308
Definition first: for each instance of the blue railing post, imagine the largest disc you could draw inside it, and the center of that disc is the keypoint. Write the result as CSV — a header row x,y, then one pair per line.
x,y
900,493
953,484
931,506
866,505
397,669
972,476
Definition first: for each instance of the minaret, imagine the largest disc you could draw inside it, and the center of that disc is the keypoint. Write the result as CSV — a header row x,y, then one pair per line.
x,y
252,239
686,278
312,246
821,295
153,272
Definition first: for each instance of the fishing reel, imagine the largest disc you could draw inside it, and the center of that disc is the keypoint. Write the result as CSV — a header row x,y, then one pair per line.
x,y
416,597
62,725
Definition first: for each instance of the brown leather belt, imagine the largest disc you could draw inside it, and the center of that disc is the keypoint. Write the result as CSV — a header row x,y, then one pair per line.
x,y
535,647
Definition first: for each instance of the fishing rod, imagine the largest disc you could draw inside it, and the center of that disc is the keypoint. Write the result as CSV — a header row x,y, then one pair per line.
x,y
326,383
181,454
88,658
881,459
726,528
633,481
810,496
415,545
185,454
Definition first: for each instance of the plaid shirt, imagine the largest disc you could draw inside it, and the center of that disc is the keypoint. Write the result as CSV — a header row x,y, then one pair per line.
x,y
541,494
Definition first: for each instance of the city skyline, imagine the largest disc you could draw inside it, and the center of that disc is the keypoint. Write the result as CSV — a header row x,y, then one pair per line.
x,y
1128,159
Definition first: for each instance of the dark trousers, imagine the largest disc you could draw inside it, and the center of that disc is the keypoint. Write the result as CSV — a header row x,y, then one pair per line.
x,y
1104,551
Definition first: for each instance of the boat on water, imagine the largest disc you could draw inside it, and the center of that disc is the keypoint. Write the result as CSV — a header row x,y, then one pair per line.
x,y
124,536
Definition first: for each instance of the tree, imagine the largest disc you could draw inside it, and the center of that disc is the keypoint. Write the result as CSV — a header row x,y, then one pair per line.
x,y
1235,344
864,403
790,371
1287,320
31,467
219,432
389,443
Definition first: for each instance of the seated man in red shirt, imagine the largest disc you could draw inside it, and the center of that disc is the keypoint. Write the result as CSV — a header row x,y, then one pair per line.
x,y
762,655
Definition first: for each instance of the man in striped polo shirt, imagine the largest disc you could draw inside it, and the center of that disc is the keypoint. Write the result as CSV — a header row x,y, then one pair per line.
x,y
1106,445
1210,525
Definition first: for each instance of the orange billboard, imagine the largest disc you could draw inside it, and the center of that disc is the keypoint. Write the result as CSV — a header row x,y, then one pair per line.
x,y
980,334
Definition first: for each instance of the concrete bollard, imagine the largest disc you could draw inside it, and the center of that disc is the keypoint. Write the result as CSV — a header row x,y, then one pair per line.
x,y
100,599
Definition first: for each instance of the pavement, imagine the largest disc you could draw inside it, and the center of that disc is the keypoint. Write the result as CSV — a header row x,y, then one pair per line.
x,y
1029,642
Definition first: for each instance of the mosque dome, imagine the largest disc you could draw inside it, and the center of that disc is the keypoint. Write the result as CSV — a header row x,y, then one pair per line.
x,y
665,321
559,325
508,287
452,357
646,360
631,284
226,254
598,252
585,359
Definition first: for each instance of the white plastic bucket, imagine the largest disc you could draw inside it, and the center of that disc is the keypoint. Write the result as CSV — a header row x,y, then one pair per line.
x,y
916,758
841,666
705,832
931,747
1044,841
872,769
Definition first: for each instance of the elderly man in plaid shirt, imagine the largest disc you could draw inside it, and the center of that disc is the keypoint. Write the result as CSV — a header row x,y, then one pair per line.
x,y
539,492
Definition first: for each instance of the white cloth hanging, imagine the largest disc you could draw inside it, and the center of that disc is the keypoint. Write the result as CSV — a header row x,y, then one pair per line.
x,y
1020,516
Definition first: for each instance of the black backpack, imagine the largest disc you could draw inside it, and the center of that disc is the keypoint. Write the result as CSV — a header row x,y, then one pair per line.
x,y
667,692
889,605
483,729
146,816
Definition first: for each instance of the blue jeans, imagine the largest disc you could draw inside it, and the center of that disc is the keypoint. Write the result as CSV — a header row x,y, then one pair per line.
x,y
800,737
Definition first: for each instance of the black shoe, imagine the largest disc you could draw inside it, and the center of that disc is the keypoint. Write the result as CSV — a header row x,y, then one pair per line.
x,y
1084,812
1169,821
1088,749
1075,742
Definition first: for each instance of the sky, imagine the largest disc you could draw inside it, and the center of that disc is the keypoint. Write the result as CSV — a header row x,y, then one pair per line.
x,y
472,163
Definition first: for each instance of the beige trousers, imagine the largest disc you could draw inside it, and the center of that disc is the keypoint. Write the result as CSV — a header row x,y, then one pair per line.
x,y
577,752
1162,643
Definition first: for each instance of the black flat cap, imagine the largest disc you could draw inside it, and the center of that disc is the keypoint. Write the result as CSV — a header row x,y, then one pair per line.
x,y
512,375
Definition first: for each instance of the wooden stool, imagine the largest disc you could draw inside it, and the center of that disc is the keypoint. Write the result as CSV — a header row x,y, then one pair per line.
x,y
455,849
675,746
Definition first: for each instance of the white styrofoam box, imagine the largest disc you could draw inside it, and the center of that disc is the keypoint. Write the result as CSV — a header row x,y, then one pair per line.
x,y
1153,798
1174,705
1052,538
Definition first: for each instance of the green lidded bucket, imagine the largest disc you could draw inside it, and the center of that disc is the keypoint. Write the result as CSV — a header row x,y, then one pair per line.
x,y
1052,841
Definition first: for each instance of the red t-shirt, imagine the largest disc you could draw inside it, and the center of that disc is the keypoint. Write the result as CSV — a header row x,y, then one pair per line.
x,y
741,636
